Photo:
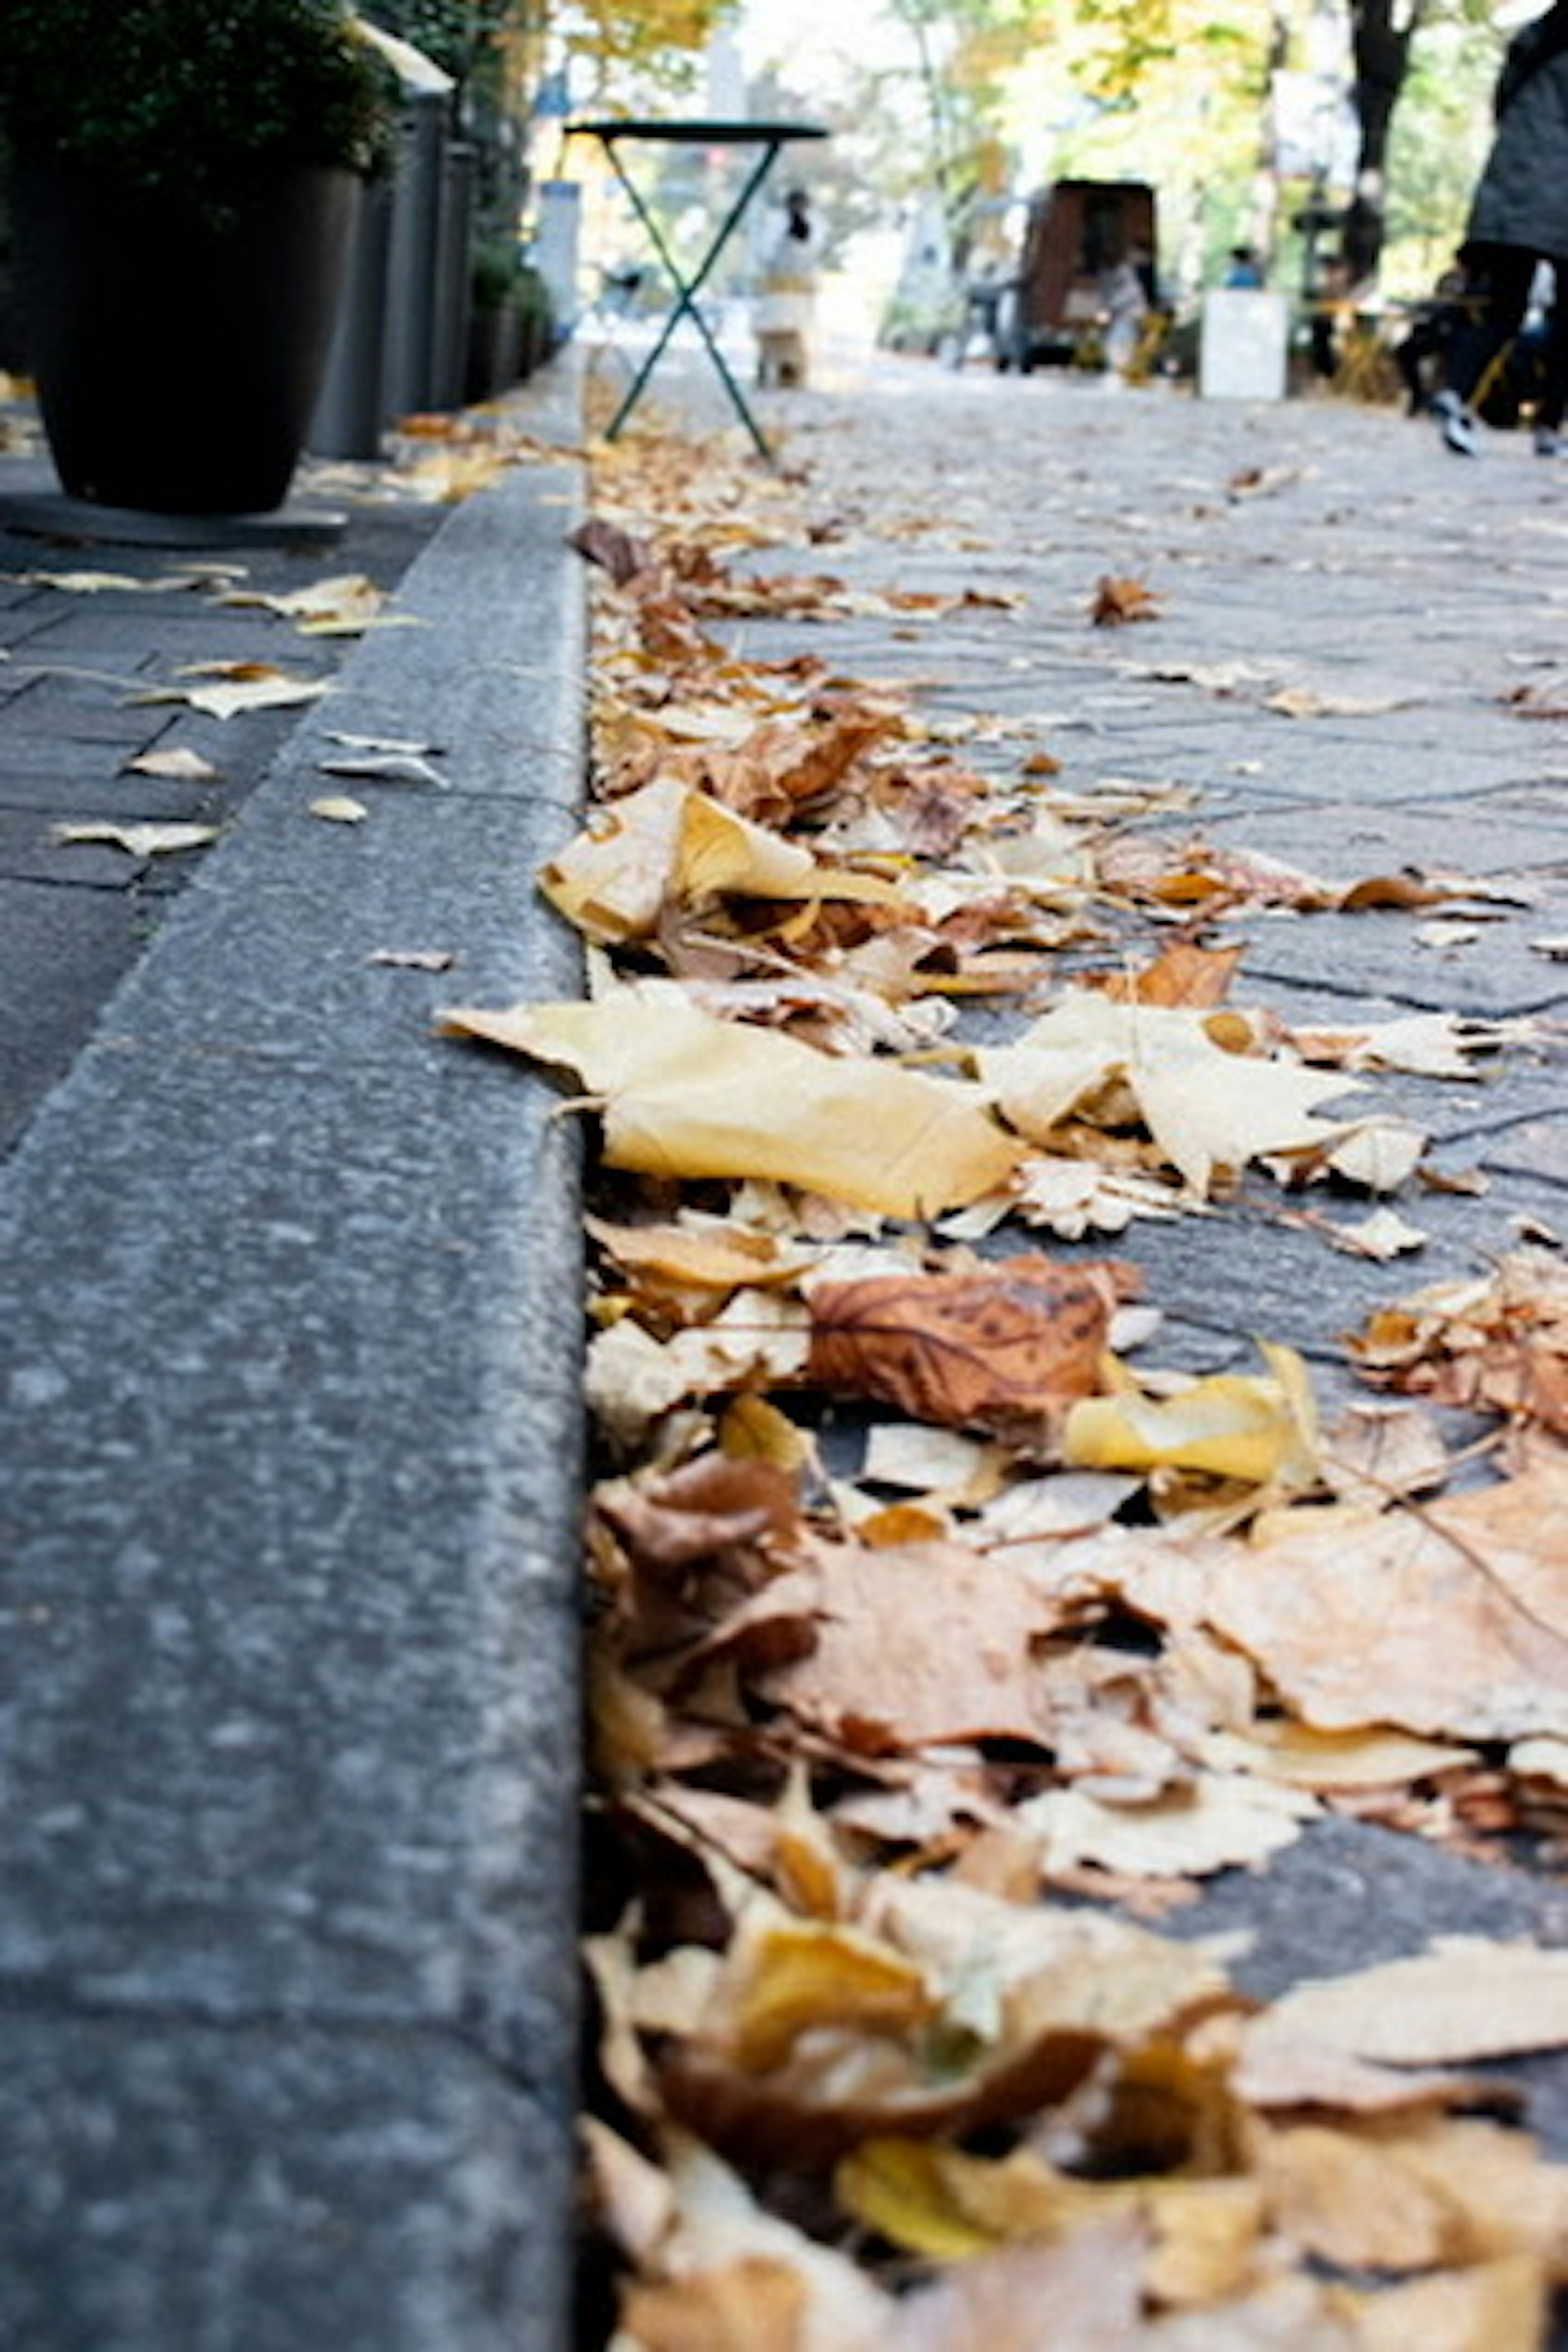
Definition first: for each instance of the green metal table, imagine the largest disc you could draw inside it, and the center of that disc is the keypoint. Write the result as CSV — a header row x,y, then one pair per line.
x,y
769,137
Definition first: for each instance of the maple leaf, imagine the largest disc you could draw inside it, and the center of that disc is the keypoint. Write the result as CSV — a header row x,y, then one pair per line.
x,y
1004,1346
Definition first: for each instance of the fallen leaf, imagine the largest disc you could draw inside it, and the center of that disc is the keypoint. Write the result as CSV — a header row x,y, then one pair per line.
x,y
344,606
1467,1998
1258,1427
1450,1620
141,840
1383,1235
1119,601
385,768
1003,1348
686,1095
180,766
414,959
337,808
1206,1109
241,686
1221,1822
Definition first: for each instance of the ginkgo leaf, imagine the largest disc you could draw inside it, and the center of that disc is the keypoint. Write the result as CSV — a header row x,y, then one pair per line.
x,y
240,687
669,841
1261,1427
141,840
179,765
686,1095
1206,1108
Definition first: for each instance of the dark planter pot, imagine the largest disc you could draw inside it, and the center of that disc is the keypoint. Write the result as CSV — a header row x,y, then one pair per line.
x,y
178,363
495,351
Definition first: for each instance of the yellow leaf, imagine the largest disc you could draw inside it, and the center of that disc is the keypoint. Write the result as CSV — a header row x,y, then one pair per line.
x,y
1261,1428
670,842
793,1974
1204,1107
688,1095
899,2188
140,840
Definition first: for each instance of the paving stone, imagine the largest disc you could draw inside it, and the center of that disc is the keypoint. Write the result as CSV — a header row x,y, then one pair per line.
x,y
172,2185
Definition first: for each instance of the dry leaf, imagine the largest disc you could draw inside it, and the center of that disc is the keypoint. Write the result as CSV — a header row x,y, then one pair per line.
x,y
1221,1821
385,768
1452,1620
1206,1109
1497,2306
1258,1427
1467,1998
337,808
180,766
1118,601
141,840
345,606
686,1095
241,686
414,959
916,1644
1003,1348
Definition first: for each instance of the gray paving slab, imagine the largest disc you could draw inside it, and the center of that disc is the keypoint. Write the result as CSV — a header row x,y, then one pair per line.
x,y
172,2184
289,1486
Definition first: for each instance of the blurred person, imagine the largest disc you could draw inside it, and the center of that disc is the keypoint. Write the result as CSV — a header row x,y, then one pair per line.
x,y
1124,297
786,294
1518,219
1422,353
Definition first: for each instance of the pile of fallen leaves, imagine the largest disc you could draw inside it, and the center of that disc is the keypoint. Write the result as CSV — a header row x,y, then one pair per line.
x,y
920,1614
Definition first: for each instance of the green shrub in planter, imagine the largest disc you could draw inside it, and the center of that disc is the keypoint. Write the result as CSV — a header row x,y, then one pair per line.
x,y
187,182
193,96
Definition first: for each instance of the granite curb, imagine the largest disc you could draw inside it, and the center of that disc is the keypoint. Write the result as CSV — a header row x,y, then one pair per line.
x,y
290,1479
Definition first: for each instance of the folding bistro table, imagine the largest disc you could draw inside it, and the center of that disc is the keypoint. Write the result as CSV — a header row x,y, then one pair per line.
x,y
767,136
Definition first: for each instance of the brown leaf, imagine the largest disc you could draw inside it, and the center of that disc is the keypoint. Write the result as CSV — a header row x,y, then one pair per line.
x,y
1183,974
1006,1346
918,1643
759,2300
1452,1619
1119,601
614,550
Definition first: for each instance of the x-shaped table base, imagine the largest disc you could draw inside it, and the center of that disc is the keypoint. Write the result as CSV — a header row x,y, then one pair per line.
x,y
768,136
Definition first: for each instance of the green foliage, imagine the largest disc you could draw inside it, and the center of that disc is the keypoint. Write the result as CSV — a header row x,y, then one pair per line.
x,y
193,94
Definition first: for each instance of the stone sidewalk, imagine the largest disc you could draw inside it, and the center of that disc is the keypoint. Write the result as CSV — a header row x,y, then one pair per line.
x,y
289,1320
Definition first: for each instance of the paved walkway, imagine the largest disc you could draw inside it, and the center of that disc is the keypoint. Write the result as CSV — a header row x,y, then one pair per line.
x,y
288,1327
290,1303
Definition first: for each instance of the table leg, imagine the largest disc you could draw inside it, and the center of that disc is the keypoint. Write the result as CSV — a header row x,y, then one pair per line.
x,y
687,290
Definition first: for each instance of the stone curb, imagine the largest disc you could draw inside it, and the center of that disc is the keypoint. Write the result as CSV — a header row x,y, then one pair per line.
x,y
290,1479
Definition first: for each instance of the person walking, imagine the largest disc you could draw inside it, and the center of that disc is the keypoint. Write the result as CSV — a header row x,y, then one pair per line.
x,y
1518,219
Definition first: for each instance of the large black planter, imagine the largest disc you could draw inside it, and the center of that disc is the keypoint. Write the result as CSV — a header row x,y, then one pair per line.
x,y
177,362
